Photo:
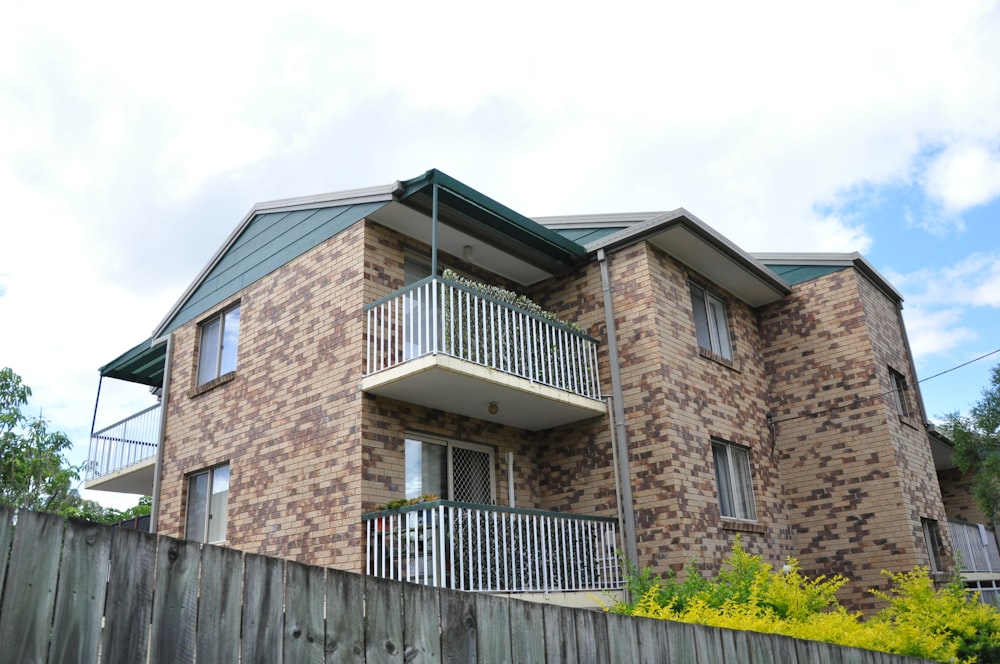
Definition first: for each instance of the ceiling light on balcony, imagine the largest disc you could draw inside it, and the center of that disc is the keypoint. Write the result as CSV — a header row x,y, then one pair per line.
x,y
494,408
467,253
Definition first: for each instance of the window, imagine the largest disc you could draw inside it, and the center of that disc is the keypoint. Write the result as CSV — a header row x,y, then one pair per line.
x,y
732,476
208,498
932,538
219,339
899,393
453,471
710,322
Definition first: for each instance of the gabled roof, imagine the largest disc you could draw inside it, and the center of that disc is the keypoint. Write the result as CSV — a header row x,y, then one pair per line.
x,y
692,242
797,268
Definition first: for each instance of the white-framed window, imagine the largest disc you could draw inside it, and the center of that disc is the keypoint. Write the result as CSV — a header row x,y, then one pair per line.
x,y
220,337
710,322
451,470
734,482
207,503
932,538
900,393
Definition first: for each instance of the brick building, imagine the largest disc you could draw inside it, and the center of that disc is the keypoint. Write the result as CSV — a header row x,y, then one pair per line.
x,y
542,392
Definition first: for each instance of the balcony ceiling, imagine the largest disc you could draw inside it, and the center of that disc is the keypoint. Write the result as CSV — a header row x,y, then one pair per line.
x,y
452,385
137,479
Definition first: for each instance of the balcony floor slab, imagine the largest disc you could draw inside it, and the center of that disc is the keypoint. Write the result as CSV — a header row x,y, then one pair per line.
x,y
453,385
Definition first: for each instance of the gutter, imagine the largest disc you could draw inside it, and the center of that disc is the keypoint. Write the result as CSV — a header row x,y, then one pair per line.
x,y
619,432
158,467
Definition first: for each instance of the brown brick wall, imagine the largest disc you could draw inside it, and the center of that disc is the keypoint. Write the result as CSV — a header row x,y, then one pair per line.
x,y
856,479
957,494
289,421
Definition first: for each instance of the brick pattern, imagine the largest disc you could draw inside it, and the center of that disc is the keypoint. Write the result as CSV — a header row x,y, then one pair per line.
x,y
839,481
856,478
959,501
288,422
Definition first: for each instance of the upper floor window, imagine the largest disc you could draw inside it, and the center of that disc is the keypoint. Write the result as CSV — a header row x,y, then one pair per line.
x,y
899,393
207,503
450,470
220,337
732,476
710,322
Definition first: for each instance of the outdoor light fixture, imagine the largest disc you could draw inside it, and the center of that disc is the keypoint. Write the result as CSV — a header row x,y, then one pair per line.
x,y
467,253
494,408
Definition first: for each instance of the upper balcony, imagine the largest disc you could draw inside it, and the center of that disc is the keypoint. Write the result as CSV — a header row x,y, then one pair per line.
x,y
122,456
443,345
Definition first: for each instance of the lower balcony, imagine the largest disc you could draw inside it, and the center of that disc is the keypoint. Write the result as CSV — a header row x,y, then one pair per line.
x,y
493,549
122,456
445,345
978,559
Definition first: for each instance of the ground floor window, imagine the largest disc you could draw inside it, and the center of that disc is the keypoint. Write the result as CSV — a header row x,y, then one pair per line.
x,y
207,502
932,537
732,476
451,470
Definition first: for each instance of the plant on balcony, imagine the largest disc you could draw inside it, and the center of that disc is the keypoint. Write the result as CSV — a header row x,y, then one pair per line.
x,y
475,333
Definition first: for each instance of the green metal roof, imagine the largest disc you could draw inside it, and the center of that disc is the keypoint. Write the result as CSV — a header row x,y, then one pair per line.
x,y
464,208
584,236
270,240
796,274
142,364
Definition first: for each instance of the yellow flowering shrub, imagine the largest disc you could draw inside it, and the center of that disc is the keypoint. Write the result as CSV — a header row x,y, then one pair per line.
x,y
947,625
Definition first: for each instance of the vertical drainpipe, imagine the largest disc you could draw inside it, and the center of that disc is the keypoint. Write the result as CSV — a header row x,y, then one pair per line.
x,y
154,509
618,421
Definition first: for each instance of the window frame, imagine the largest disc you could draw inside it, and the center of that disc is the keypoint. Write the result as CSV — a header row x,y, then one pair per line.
x,y
212,473
449,479
219,347
900,393
740,507
709,312
934,544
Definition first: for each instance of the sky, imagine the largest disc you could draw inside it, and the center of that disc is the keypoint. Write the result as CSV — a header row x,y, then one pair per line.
x,y
134,137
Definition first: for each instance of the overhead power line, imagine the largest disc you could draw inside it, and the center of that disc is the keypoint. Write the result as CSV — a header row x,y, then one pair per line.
x,y
858,402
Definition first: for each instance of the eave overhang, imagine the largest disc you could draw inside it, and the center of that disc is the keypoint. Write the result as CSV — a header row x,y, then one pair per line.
x,y
492,225
852,259
695,244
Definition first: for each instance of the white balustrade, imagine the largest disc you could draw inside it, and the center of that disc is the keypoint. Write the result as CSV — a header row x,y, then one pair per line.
x,y
975,547
492,549
441,316
124,443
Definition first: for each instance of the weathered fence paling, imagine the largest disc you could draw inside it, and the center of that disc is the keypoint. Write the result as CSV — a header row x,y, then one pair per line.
x,y
81,592
493,549
440,316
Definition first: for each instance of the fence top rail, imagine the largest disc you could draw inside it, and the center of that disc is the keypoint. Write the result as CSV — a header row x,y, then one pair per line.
x,y
486,508
482,295
123,421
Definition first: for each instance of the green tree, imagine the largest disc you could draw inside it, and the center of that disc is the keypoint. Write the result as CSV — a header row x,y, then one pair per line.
x,y
977,445
34,471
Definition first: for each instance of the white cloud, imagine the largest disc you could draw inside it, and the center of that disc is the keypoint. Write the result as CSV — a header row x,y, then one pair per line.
x,y
963,176
136,137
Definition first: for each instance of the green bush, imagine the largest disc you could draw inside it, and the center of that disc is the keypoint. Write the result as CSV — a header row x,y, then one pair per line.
x,y
947,624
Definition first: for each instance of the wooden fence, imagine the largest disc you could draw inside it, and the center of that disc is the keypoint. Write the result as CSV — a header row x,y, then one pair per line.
x,y
78,592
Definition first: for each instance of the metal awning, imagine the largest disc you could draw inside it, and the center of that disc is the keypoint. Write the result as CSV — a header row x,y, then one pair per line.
x,y
143,364
481,217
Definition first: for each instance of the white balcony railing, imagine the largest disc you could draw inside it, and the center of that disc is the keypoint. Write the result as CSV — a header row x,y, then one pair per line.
x,y
975,547
124,443
440,316
492,549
